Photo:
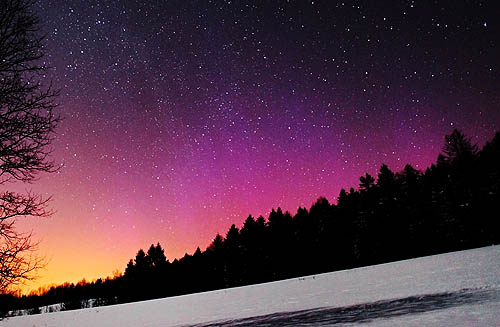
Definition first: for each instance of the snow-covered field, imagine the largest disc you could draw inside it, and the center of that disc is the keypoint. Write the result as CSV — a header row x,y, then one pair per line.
x,y
453,289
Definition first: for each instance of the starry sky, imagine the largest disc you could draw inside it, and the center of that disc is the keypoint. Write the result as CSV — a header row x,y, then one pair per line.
x,y
183,117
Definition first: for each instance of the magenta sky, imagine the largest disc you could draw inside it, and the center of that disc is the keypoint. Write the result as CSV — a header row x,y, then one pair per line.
x,y
183,117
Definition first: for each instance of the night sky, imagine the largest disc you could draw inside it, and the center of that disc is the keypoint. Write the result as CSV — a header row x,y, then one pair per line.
x,y
183,117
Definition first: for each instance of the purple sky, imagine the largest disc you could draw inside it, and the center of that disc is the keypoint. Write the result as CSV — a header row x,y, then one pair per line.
x,y
183,117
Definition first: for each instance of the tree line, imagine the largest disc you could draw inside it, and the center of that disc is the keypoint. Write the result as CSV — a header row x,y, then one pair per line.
x,y
452,205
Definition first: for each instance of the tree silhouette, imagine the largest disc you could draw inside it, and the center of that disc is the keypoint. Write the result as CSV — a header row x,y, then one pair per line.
x,y
457,146
216,267
142,262
385,178
366,182
157,256
27,123
233,256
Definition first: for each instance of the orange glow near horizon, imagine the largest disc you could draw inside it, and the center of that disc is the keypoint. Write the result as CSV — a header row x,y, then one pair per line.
x,y
94,233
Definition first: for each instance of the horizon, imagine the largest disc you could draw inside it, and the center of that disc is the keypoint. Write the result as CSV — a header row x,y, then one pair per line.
x,y
181,119
119,272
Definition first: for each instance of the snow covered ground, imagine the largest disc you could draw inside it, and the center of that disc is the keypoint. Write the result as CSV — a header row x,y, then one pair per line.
x,y
453,289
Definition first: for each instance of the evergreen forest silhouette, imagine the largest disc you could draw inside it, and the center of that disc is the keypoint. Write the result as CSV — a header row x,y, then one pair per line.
x,y
451,206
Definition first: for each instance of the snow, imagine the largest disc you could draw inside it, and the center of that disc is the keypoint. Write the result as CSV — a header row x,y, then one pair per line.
x,y
463,274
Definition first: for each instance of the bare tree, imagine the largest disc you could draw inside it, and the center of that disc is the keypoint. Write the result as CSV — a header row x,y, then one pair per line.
x,y
27,125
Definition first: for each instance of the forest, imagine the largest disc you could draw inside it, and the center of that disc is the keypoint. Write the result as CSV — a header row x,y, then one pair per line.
x,y
452,205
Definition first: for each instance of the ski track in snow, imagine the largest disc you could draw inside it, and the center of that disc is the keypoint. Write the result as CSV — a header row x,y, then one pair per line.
x,y
453,289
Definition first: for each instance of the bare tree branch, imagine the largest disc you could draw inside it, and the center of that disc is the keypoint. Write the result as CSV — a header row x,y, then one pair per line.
x,y
17,258
27,125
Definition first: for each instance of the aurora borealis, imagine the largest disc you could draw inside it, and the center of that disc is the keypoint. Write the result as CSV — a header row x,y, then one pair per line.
x,y
184,117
